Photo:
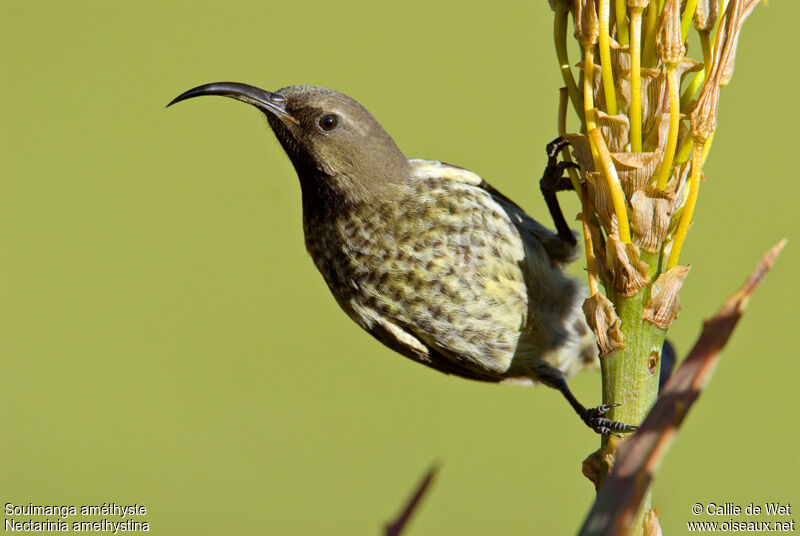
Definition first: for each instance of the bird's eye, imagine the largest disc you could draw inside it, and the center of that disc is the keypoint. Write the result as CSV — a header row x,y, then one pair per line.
x,y
329,122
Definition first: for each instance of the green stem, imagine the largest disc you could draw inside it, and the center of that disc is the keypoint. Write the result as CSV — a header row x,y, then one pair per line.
x,y
630,375
636,80
627,376
673,84
708,52
686,20
605,58
560,39
620,9
691,89
649,34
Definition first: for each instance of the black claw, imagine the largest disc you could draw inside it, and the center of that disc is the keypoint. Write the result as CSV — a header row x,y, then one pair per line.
x,y
602,430
594,419
553,179
567,165
555,147
614,425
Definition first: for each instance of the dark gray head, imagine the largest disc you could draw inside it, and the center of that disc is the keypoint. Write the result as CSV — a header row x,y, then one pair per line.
x,y
335,144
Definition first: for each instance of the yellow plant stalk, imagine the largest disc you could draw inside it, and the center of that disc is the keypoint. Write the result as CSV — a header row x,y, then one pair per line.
x,y
707,147
691,201
614,186
691,89
591,269
673,82
705,44
686,20
622,21
588,100
684,151
560,39
649,34
562,131
605,58
671,50
636,80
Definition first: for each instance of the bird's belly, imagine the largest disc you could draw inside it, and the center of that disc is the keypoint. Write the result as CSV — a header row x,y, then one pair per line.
x,y
461,292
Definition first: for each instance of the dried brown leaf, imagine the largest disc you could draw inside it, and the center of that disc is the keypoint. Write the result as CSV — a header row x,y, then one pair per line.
x,y
727,70
600,196
587,26
654,98
635,170
704,115
615,130
599,250
705,15
664,305
650,217
656,139
596,465
668,40
620,60
677,185
629,273
603,319
651,524
581,151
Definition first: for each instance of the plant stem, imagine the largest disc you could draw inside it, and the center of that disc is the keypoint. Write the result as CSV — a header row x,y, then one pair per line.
x,y
686,21
628,378
591,268
708,51
630,375
605,58
673,83
614,186
563,102
636,80
691,200
649,34
560,39
620,7
691,89
588,100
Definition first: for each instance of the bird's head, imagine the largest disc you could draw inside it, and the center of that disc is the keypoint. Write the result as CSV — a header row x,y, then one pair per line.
x,y
328,136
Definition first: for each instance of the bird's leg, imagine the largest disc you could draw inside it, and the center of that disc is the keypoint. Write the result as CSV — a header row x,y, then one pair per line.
x,y
553,181
593,417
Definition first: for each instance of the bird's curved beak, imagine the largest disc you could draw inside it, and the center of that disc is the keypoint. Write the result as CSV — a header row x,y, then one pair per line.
x,y
266,101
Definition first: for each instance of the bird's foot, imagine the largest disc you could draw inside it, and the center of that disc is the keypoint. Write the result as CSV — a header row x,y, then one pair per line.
x,y
594,419
553,179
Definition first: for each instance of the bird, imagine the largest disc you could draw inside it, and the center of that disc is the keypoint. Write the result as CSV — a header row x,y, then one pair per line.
x,y
428,257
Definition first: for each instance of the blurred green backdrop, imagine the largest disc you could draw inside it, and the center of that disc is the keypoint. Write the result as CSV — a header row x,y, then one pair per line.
x,y
167,341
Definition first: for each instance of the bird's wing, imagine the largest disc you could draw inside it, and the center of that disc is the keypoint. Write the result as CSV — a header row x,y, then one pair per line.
x,y
557,249
407,342
522,257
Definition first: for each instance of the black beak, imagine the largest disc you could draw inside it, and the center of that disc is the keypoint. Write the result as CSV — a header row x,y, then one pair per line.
x,y
266,101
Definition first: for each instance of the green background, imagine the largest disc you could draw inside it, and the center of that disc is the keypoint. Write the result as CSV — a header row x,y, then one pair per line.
x,y
167,341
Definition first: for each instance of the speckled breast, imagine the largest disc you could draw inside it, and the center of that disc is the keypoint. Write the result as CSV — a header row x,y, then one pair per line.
x,y
441,261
